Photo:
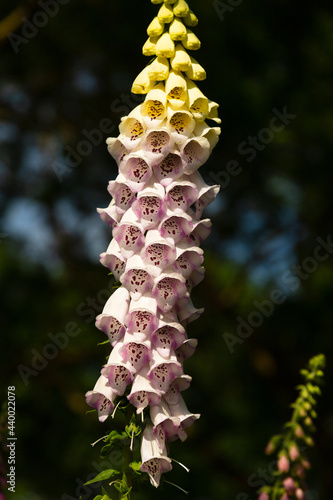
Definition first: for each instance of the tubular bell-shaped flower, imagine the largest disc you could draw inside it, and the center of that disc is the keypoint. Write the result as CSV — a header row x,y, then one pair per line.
x,y
155,215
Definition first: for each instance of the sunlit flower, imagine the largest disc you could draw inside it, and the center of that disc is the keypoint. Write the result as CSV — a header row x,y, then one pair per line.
x,y
158,198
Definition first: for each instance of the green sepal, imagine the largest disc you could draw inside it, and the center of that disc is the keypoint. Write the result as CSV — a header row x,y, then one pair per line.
x,y
135,466
122,487
133,429
110,440
105,474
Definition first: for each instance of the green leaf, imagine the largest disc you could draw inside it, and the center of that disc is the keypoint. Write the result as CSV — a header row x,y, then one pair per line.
x,y
105,474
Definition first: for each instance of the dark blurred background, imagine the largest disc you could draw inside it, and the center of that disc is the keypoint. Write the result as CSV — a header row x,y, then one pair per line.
x,y
65,82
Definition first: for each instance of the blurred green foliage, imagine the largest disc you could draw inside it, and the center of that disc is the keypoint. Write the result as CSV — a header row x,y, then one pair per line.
x,y
55,88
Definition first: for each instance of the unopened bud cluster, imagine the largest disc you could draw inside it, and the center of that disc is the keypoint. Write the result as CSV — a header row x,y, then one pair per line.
x,y
155,215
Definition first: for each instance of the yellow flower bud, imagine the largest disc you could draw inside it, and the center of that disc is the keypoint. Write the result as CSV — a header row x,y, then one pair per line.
x,y
165,46
155,103
191,42
212,111
181,8
198,102
196,71
158,69
191,19
165,14
181,61
142,83
149,48
176,89
155,28
177,29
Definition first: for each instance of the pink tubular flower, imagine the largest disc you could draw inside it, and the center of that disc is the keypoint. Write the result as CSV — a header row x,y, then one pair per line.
x,y
263,496
299,494
158,198
289,485
283,464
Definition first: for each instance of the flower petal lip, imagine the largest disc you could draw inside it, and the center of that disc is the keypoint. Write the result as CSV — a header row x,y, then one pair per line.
x,y
112,319
101,398
113,259
154,460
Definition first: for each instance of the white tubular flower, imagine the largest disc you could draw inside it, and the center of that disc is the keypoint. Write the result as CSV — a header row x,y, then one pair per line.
x,y
116,148
195,152
180,195
167,337
113,259
136,278
163,371
157,201
179,384
112,319
122,195
137,170
142,392
175,227
110,214
181,122
166,426
169,169
158,253
101,398
132,129
135,353
142,317
154,460
157,144
169,287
